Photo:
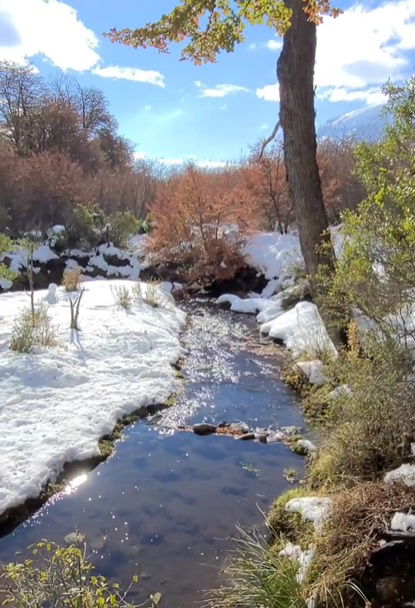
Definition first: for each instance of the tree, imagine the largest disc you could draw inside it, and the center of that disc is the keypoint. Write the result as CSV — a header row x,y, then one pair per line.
x,y
213,26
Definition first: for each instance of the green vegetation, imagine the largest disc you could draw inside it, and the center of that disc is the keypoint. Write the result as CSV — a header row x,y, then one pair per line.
x,y
60,577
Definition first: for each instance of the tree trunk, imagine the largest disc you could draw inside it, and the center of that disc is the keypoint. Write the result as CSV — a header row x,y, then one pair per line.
x,y
295,71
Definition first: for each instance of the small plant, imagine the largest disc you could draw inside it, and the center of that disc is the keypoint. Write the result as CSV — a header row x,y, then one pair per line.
x,y
290,474
123,297
71,279
148,293
256,575
60,577
74,304
33,328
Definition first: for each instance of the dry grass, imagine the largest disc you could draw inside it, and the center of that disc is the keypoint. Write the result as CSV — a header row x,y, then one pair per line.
x,y
33,329
344,544
123,297
71,279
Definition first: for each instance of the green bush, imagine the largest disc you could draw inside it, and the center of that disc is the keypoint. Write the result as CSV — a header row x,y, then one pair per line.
x,y
88,226
59,577
122,226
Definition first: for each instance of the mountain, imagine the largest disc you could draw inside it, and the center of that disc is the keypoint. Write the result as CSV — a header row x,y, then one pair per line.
x,y
363,124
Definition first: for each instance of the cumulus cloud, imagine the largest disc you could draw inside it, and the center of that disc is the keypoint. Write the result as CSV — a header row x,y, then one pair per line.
x,y
135,74
49,28
274,45
271,92
220,90
52,29
359,50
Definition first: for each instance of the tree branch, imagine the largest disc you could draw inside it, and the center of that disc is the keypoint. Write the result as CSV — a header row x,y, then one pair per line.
x,y
269,139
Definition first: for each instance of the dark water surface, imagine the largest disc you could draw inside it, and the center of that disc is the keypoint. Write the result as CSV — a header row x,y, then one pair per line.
x,y
166,503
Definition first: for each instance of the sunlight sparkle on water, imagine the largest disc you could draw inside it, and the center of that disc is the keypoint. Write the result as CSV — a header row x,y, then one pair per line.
x,y
75,483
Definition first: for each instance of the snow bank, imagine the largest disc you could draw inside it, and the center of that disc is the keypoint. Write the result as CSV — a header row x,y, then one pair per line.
x,y
312,508
405,474
58,402
273,254
244,305
301,329
403,522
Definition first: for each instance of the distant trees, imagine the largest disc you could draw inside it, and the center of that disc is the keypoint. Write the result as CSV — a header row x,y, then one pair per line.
x,y
59,147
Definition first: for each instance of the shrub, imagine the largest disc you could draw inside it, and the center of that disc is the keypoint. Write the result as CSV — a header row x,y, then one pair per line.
x,y
122,296
197,228
71,279
87,225
57,577
32,328
149,293
122,226
368,428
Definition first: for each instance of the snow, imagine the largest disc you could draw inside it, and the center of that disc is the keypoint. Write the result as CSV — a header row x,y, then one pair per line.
x,y
405,474
314,371
301,329
5,284
312,508
403,522
44,254
307,445
273,254
304,558
57,402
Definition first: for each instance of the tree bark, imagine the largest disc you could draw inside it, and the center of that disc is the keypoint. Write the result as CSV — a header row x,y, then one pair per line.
x,y
295,71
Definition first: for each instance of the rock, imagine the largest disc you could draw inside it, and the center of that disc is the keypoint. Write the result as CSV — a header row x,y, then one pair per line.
x,y
75,538
261,438
204,428
314,371
292,295
290,430
98,542
306,445
239,427
247,436
274,436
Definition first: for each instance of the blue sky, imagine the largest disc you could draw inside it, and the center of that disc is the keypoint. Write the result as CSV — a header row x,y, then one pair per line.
x,y
174,110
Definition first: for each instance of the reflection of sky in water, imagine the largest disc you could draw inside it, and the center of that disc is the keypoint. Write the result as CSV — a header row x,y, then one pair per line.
x,y
166,504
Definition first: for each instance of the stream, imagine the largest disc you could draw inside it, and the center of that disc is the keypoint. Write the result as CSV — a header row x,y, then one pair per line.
x,y
166,504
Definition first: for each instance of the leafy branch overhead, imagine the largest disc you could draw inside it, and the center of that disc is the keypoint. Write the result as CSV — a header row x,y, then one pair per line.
x,y
212,26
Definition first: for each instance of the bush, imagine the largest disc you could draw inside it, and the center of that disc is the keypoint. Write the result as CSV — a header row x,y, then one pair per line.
x,y
71,279
197,228
87,226
122,226
32,329
369,428
123,297
57,577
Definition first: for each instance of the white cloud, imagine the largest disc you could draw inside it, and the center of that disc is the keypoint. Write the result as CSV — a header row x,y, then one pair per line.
x,y
274,45
270,92
135,74
264,127
371,96
221,90
52,29
49,28
363,47
252,46
148,108
224,106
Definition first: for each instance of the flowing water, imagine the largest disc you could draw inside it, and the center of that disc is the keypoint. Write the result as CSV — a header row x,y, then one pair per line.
x,y
166,504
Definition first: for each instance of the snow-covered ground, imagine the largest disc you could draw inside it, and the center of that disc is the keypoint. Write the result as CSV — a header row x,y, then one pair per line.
x,y
57,402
